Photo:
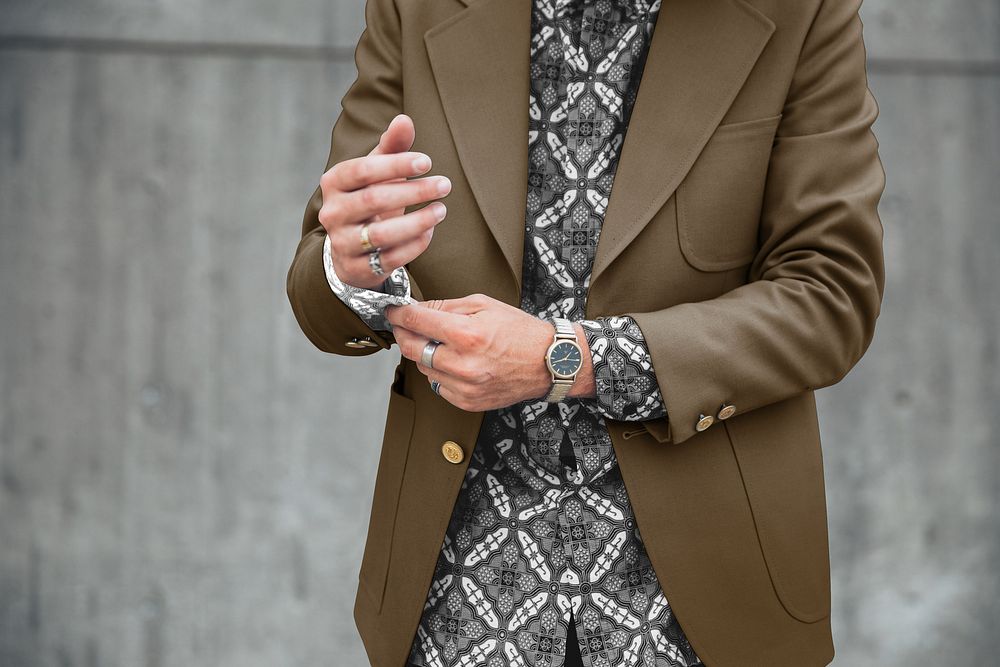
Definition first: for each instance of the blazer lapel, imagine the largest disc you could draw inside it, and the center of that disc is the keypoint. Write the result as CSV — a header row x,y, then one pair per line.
x,y
700,55
480,59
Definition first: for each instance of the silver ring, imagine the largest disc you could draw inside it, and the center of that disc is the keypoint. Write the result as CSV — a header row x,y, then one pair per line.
x,y
436,387
427,355
375,261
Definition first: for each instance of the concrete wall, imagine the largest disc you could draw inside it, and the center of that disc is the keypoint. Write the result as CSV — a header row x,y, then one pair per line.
x,y
183,480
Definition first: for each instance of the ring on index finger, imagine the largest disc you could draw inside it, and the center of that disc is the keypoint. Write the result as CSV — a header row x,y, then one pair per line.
x,y
427,356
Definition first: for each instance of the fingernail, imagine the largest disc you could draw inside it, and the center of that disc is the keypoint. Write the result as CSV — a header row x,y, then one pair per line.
x,y
444,185
422,163
439,210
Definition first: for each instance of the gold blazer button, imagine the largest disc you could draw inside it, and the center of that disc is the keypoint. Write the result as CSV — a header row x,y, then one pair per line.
x,y
704,421
452,451
727,411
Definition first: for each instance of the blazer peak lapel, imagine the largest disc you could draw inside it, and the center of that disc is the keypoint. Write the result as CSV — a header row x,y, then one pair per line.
x,y
480,58
700,54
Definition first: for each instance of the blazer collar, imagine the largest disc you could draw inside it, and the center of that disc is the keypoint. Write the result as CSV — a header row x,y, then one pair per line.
x,y
700,54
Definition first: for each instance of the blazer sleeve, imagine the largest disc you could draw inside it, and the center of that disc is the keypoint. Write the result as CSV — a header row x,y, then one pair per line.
x,y
808,312
373,100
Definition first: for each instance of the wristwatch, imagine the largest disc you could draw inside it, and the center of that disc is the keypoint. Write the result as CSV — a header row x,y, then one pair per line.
x,y
564,359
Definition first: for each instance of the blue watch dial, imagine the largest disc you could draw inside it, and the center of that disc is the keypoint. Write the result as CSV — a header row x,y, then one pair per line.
x,y
565,358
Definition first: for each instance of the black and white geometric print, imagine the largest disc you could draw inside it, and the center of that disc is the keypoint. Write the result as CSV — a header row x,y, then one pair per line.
x,y
542,533
369,304
623,370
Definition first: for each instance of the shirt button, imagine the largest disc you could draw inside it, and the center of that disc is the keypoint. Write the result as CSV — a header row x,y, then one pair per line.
x,y
704,421
452,451
726,411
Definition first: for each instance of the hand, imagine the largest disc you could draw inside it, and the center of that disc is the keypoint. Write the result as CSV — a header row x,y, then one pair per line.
x,y
375,188
492,355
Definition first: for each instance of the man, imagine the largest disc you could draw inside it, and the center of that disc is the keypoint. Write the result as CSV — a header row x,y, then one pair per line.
x,y
601,442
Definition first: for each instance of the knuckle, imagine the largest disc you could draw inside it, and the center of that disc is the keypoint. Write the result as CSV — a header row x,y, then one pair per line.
x,y
474,337
336,246
464,370
369,197
410,318
334,210
338,243
363,169
460,337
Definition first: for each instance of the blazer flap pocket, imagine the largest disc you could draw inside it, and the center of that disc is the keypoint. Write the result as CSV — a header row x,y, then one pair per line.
x,y
719,200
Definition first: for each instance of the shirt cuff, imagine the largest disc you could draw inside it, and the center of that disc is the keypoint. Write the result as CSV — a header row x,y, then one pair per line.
x,y
369,304
624,377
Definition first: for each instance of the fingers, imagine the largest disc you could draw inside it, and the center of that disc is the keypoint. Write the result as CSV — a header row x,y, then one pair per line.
x,y
449,365
459,330
398,136
390,259
411,345
402,240
362,204
358,172
343,208
389,232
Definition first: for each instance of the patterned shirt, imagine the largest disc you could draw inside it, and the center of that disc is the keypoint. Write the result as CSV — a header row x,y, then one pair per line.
x,y
542,533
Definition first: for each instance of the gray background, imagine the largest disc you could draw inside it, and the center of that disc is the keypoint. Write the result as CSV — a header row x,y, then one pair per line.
x,y
185,481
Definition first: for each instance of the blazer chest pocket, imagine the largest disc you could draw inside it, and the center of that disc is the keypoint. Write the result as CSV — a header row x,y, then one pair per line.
x,y
385,501
719,200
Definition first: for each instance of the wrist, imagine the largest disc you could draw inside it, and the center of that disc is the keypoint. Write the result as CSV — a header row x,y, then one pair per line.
x,y
540,388
583,382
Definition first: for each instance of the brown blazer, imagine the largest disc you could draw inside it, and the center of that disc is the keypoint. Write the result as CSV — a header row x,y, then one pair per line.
x,y
742,234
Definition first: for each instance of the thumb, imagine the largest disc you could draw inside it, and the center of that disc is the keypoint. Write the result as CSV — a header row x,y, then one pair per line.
x,y
397,138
